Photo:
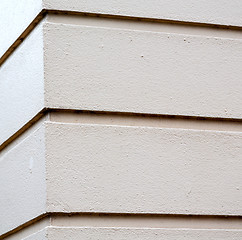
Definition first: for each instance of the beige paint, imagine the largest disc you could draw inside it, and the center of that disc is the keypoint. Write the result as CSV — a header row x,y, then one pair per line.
x,y
77,222
142,25
142,170
141,71
148,172
16,15
146,221
147,81
76,233
125,221
144,120
141,234
214,12
120,169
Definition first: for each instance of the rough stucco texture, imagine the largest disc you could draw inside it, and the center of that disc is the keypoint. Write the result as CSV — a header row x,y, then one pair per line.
x,y
140,71
122,71
139,170
97,168
141,234
215,12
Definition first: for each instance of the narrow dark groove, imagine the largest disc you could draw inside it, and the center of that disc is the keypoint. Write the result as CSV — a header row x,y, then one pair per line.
x,y
21,38
44,12
147,115
124,216
144,19
34,120
45,111
144,215
25,225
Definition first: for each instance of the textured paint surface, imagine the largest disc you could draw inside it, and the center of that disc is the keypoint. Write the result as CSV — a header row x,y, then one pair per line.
x,y
216,12
141,234
15,17
22,85
97,168
22,177
120,66
146,221
120,70
137,170
139,71
88,233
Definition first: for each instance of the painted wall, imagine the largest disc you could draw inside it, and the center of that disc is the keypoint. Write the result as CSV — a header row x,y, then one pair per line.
x,y
120,120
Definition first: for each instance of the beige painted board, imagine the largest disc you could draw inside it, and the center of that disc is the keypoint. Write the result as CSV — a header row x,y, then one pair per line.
x,y
15,16
97,168
94,168
22,178
22,85
202,11
113,69
140,234
108,69
87,233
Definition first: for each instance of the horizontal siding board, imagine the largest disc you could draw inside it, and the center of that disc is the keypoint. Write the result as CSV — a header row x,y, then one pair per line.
x,y
213,12
91,68
22,85
22,177
141,234
93,168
